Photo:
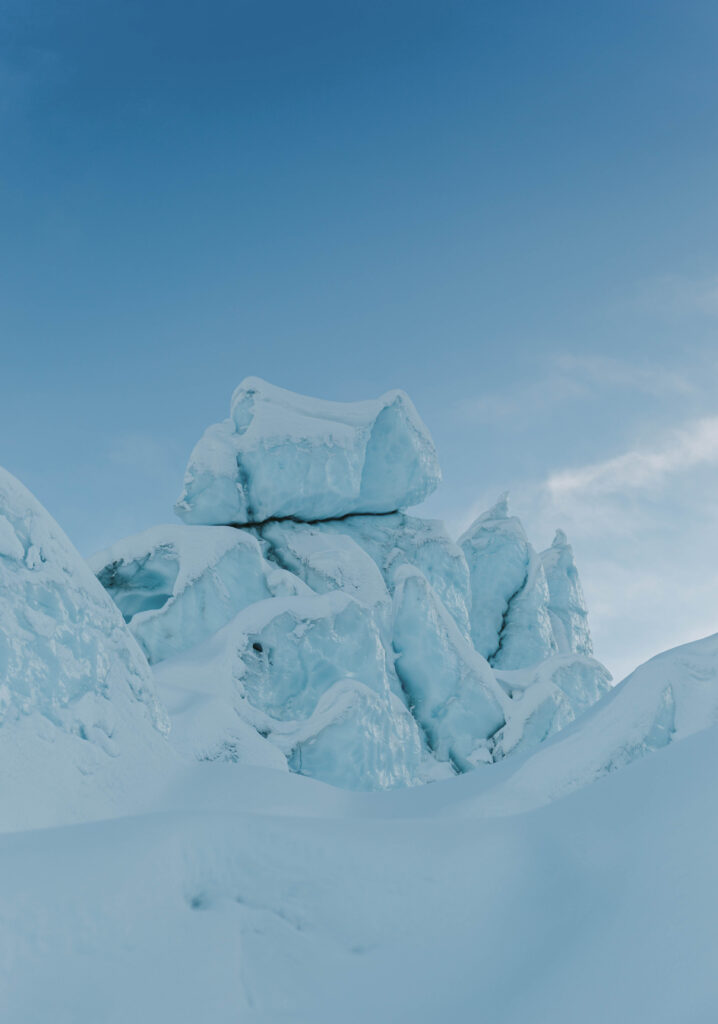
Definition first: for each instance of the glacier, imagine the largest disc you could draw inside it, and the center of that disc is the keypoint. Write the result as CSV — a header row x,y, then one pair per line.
x,y
297,586
281,455
216,741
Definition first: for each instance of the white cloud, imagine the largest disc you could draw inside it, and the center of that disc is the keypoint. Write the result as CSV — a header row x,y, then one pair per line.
x,y
693,445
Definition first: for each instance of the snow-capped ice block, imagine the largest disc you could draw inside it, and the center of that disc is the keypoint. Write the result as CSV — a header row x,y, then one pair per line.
x,y
567,605
177,585
357,739
397,540
77,704
510,624
451,690
282,455
547,698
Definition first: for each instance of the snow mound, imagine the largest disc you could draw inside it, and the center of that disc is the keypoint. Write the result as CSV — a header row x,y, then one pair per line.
x,y
78,713
282,455
177,585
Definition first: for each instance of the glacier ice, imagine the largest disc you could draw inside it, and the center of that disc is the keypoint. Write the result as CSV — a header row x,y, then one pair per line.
x,y
310,675
567,605
357,738
78,709
398,540
451,689
547,698
281,455
177,585
510,623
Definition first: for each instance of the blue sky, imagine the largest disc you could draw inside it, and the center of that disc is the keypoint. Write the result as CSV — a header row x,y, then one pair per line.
x,y
508,209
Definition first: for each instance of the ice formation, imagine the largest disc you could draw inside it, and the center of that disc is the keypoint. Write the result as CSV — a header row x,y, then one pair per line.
x,y
77,702
566,605
281,455
310,675
177,585
510,623
300,614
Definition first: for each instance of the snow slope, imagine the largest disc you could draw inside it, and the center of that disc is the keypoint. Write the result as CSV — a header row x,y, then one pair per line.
x,y
258,897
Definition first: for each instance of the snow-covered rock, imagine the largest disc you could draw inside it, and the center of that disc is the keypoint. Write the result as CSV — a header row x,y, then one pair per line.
x,y
567,605
284,455
510,623
177,585
451,690
79,719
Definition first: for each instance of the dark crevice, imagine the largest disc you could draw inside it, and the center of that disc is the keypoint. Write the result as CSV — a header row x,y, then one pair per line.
x,y
505,616
259,523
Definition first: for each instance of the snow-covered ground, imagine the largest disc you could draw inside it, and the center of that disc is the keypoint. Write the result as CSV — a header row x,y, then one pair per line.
x,y
253,895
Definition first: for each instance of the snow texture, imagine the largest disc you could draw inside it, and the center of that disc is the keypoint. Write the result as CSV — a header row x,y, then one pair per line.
x,y
281,455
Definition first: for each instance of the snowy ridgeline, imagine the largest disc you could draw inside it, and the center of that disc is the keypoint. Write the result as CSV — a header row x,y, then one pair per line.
x,y
298,620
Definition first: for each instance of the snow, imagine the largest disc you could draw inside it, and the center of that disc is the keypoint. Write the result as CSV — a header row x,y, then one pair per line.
x,y
281,455
79,719
567,605
177,585
262,897
510,624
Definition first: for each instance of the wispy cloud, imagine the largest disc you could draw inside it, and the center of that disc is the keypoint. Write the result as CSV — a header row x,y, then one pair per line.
x,y
693,445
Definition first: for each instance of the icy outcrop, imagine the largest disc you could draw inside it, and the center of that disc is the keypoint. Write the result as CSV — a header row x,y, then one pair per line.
x,y
399,540
547,698
669,698
177,585
510,624
567,605
326,560
77,703
450,689
357,739
310,675
283,455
